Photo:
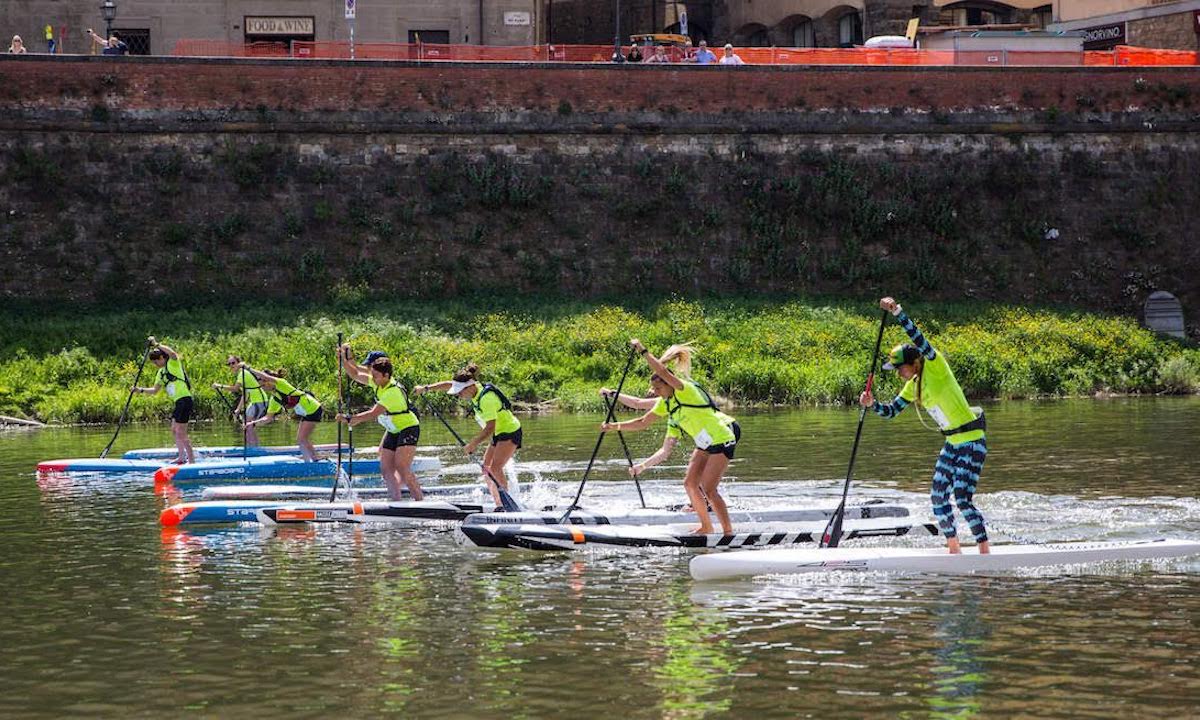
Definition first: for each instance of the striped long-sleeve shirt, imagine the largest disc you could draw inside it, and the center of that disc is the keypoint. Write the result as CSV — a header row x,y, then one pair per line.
x,y
897,405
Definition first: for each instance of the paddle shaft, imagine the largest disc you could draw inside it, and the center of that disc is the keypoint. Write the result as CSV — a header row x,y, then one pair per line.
x,y
629,458
341,369
125,411
608,416
506,500
833,530
225,401
245,414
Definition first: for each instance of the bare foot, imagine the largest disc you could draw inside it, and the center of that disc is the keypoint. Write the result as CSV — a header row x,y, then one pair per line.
x,y
701,530
953,546
985,548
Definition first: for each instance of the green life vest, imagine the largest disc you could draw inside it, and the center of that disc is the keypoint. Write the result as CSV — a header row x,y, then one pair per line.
x,y
694,411
399,415
943,399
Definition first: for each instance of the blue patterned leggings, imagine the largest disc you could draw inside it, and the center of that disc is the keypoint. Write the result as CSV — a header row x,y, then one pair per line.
x,y
957,470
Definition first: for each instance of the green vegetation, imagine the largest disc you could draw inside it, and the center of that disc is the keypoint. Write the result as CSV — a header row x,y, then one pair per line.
x,y
67,366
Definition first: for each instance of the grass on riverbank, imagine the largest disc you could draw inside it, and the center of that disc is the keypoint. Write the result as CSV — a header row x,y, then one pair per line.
x,y
70,366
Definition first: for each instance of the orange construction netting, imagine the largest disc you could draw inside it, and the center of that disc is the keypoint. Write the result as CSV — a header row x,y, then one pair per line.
x,y
1121,56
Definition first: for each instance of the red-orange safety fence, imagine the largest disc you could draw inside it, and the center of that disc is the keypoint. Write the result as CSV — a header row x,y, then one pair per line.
x,y
1122,56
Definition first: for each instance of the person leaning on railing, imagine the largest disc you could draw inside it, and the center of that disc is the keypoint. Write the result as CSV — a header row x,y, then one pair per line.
x,y
635,54
112,46
17,47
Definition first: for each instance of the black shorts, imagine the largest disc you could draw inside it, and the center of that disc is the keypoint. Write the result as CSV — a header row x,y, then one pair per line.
x,y
728,448
315,417
183,410
406,437
514,436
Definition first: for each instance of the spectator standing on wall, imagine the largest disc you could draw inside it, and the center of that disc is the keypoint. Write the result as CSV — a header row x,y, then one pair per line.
x,y
50,38
704,56
635,54
16,47
112,46
730,58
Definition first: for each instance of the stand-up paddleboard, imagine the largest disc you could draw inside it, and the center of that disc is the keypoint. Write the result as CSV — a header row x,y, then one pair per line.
x,y
645,516
233,451
235,511
108,466
402,511
270,467
935,560
575,537
300,493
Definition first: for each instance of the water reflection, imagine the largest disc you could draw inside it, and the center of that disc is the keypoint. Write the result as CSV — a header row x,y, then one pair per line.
x,y
107,614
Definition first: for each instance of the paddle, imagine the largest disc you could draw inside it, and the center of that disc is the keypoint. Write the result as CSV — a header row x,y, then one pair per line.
x,y
629,459
225,401
125,412
607,419
833,530
245,414
506,501
341,370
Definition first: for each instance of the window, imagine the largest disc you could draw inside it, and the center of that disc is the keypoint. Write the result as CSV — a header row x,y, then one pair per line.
x,y
803,35
978,16
138,39
436,37
1042,16
850,30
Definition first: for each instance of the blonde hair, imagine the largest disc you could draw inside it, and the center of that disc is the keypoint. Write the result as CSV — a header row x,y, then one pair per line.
x,y
681,355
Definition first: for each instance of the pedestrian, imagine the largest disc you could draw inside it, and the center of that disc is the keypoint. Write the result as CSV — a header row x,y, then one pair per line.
x,y
17,47
659,56
930,383
704,56
112,46
729,58
635,54
50,47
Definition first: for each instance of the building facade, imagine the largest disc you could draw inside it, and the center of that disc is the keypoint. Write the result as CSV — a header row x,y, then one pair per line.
x,y
154,26
1169,24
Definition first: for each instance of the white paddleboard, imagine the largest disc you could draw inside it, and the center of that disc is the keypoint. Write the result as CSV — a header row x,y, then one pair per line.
x,y
932,560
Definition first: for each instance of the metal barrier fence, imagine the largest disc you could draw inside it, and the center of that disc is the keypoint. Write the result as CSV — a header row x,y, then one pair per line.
x,y
1121,56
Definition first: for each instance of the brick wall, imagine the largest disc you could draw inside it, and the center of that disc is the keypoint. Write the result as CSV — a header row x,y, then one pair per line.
x,y
185,178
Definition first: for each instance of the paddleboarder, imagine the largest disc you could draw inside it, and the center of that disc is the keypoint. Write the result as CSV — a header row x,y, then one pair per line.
x,y
930,383
715,434
282,395
248,389
493,412
392,410
172,378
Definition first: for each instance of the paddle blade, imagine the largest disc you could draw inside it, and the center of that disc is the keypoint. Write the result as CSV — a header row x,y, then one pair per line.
x,y
833,530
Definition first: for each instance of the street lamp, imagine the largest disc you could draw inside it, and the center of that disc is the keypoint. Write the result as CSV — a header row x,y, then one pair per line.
x,y
109,11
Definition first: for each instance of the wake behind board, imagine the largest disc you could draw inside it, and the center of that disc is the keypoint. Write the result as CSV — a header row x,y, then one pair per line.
x,y
575,537
301,493
271,467
234,451
934,560
643,516
402,511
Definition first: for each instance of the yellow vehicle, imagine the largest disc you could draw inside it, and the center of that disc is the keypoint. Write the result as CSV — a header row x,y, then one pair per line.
x,y
656,39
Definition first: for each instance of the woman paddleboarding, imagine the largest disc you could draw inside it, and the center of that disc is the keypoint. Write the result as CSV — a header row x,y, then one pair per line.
x,y
715,434
249,391
930,383
172,378
393,411
493,412
282,396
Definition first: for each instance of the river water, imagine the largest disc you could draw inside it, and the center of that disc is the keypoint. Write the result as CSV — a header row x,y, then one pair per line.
x,y
103,613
